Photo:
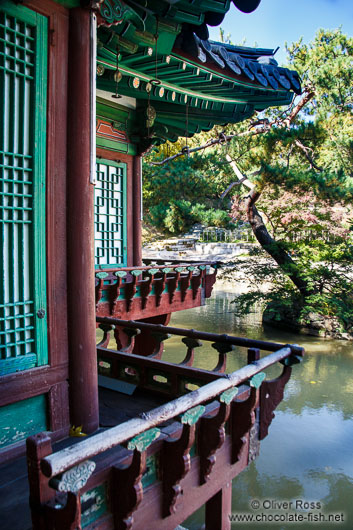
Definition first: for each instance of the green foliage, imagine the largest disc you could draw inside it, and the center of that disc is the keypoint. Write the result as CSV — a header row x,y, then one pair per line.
x,y
184,192
304,175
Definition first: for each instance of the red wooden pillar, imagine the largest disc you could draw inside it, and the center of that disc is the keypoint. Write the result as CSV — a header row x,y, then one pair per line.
x,y
81,294
137,206
218,509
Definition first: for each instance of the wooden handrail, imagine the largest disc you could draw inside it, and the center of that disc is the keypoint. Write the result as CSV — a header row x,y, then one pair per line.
x,y
58,462
202,335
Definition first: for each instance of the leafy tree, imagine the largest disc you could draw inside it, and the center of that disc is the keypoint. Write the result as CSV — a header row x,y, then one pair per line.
x,y
297,166
185,192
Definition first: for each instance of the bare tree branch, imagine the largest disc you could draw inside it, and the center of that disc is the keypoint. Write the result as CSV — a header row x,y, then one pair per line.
x,y
259,127
309,157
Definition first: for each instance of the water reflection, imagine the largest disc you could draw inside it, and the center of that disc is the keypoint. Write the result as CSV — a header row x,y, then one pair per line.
x,y
308,452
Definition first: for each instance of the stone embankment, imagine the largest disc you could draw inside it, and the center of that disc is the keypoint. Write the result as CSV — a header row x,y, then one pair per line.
x,y
191,249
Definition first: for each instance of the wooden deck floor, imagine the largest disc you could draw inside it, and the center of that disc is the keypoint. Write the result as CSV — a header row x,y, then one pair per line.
x,y
114,408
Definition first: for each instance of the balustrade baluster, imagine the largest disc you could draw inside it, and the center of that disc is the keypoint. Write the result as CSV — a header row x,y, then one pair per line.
x,y
222,349
185,282
173,283
130,288
160,285
115,289
271,394
241,421
212,434
191,345
175,459
126,486
146,287
106,328
131,334
159,339
196,280
99,287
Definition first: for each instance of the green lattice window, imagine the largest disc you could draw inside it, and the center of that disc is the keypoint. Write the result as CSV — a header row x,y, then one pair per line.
x,y
110,214
23,70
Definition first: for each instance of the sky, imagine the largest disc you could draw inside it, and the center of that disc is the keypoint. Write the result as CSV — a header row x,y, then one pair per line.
x,y
278,21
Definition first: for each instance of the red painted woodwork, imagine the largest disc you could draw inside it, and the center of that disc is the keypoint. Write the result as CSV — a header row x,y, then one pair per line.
x,y
127,488
81,296
218,509
211,438
106,130
271,394
145,343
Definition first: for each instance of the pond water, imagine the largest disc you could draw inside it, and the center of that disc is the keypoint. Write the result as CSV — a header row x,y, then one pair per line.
x,y
308,454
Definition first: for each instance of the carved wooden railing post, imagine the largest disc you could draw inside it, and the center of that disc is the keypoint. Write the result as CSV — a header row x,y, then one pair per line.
x,y
173,283
126,486
271,394
115,289
38,447
146,287
106,328
159,285
99,287
176,460
222,349
253,355
185,282
131,334
242,419
212,434
159,339
130,288
191,345
196,282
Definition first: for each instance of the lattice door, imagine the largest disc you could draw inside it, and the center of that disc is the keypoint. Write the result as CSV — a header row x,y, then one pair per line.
x,y
23,70
110,214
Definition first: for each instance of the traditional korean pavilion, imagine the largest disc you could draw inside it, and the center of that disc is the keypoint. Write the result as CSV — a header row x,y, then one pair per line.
x,y
86,89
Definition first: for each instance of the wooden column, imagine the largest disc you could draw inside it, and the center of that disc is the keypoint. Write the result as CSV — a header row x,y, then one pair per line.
x,y
81,291
218,509
137,201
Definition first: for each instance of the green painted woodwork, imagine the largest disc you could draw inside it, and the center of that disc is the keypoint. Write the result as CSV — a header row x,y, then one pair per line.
x,y
101,275
152,271
119,147
257,379
121,274
136,273
151,474
144,440
22,419
99,506
121,118
23,94
291,360
228,395
191,416
110,214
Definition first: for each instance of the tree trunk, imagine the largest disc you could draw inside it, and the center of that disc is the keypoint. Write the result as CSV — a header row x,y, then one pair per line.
x,y
272,247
